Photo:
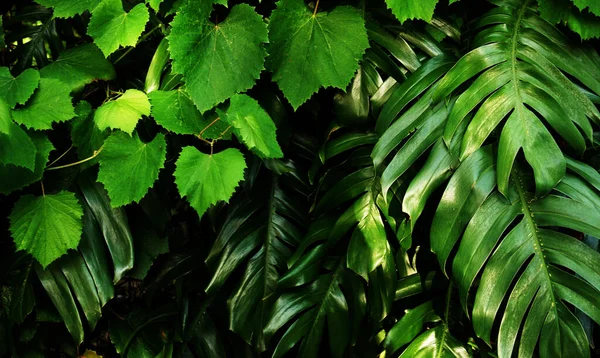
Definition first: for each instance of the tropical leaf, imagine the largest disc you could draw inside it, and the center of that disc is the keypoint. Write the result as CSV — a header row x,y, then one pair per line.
x,y
540,283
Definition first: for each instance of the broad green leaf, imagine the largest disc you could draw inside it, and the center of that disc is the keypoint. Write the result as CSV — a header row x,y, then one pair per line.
x,y
148,246
129,167
591,5
51,103
407,328
206,179
46,226
175,111
85,135
14,178
69,8
308,51
5,117
124,112
436,342
55,283
79,66
412,9
18,90
16,147
112,27
253,126
217,60
112,222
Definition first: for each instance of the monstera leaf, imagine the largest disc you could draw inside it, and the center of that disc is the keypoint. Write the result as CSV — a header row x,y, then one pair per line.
x,y
549,269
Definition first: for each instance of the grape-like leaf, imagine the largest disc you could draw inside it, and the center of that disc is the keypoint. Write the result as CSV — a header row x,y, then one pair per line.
x,y
111,27
412,9
16,147
176,112
582,22
129,167
50,103
307,52
592,5
18,90
253,126
79,66
154,4
124,112
69,8
206,179
217,60
13,177
47,226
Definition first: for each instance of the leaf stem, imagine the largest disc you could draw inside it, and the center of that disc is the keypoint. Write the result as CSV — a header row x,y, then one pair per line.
x,y
96,152
316,7
208,126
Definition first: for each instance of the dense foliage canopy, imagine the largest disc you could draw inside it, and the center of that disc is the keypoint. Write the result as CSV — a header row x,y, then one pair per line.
x,y
353,178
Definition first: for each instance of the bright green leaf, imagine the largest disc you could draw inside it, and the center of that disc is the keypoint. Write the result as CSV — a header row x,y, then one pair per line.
x,y
129,167
206,179
253,126
13,177
217,60
69,8
47,226
154,4
562,11
307,52
124,112
592,5
16,148
79,66
412,9
50,103
111,26
18,90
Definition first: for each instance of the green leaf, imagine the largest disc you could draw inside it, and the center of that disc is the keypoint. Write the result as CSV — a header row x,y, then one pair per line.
x,y
112,27
176,112
307,52
409,326
206,179
154,4
253,126
46,226
148,246
592,5
217,60
22,299
124,112
79,66
562,11
68,8
16,147
18,90
412,9
129,167
14,178
51,103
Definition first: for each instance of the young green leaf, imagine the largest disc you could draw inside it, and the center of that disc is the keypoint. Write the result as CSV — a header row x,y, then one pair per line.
x,y
69,8
46,226
16,147
18,90
176,112
111,26
51,103
14,177
253,126
124,112
79,66
412,9
129,167
206,179
217,60
308,51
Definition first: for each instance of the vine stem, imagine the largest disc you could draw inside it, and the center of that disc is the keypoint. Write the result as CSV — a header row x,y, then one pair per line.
x,y
78,162
206,128
62,155
142,39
